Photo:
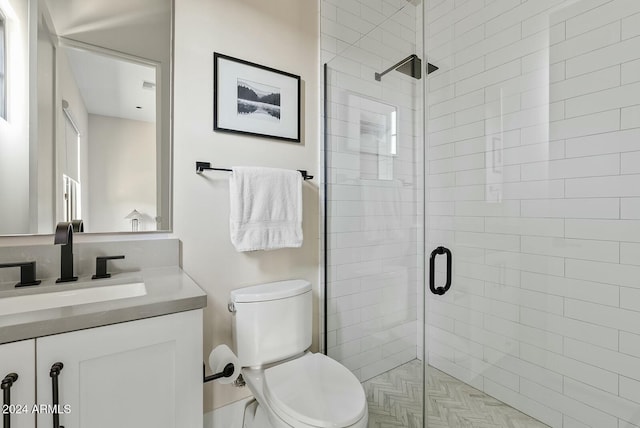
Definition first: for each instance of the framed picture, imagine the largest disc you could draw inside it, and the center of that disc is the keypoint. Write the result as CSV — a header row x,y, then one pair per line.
x,y
255,100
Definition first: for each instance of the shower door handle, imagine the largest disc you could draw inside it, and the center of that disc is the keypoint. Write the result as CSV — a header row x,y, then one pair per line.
x,y
432,271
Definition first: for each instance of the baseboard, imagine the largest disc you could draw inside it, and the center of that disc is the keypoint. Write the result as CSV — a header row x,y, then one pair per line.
x,y
229,416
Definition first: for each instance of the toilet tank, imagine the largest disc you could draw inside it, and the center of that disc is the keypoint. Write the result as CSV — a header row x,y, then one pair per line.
x,y
271,322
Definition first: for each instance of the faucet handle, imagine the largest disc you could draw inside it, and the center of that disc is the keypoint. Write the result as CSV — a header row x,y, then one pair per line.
x,y
27,273
101,266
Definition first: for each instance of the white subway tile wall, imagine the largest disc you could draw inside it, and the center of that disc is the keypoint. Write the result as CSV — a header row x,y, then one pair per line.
x,y
375,187
533,182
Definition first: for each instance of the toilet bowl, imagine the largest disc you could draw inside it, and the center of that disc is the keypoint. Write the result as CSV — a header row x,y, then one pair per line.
x,y
311,391
292,387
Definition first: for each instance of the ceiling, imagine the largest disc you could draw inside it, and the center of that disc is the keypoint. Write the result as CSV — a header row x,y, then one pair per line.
x,y
137,27
113,87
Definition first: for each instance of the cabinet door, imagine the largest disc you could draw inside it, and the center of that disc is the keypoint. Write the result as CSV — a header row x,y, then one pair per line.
x,y
20,358
140,374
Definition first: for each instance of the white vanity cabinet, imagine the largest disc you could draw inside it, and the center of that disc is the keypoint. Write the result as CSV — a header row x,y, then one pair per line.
x,y
145,373
19,358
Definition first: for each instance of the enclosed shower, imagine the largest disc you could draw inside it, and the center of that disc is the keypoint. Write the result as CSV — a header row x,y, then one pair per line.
x,y
482,209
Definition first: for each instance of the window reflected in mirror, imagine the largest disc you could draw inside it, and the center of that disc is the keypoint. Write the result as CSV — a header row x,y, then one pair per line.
x,y
71,198
3,66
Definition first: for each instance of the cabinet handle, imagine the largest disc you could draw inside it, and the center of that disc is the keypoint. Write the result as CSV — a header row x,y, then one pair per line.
x,y
56,368
7,383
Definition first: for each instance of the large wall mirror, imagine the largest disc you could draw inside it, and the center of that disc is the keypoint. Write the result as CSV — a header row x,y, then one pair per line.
x,y
85,122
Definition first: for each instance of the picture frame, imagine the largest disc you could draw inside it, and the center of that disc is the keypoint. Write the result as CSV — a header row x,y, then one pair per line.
x,y
254,99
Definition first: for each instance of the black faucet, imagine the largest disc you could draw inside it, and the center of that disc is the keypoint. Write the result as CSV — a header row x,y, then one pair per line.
x,y
64,237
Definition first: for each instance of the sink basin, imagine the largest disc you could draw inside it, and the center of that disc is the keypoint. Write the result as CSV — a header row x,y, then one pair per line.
x,y
81,296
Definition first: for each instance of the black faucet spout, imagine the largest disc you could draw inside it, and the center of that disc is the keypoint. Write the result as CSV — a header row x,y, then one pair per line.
x,y
64,233
64,237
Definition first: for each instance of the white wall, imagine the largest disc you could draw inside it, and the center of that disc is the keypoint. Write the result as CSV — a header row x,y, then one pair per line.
x,y
67,89
42,167
122,177
375,263
14,132
534,143
282,34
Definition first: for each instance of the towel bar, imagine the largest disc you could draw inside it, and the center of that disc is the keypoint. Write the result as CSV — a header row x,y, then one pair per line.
x,y
201,166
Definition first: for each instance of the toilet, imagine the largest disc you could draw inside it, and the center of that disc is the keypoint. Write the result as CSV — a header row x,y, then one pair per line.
x,y
293,387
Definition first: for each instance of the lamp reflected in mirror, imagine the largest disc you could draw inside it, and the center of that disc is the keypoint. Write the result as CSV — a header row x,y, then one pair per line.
x,y
135,217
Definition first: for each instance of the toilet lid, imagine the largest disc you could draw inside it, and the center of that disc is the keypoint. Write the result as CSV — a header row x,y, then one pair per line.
x,y
315,390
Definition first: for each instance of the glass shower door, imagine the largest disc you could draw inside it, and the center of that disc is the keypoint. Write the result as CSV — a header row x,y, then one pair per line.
x,y
374,205
533,183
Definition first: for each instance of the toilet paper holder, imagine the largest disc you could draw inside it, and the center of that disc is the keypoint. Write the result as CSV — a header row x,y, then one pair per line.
x,y
226,372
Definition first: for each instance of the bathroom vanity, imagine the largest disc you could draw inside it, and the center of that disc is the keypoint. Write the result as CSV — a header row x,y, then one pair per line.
x,y
132,361
124,351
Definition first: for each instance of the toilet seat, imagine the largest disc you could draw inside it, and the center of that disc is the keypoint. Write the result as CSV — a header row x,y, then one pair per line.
x,y
315,390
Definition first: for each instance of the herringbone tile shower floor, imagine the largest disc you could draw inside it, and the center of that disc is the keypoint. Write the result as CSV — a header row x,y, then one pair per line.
x,y
395,398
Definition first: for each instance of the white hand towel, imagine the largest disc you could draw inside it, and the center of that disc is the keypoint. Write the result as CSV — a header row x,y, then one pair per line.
x,y
266,208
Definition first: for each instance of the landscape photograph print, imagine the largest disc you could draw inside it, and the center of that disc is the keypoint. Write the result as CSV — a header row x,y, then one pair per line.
x,y
254,99
258,101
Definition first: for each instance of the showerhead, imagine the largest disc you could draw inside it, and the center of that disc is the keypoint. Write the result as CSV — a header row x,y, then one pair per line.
x,y
411,66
